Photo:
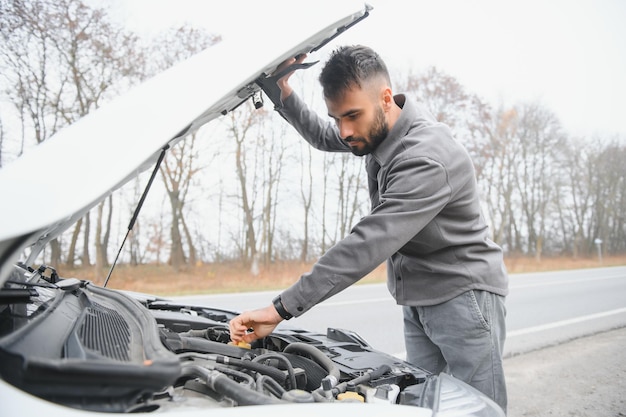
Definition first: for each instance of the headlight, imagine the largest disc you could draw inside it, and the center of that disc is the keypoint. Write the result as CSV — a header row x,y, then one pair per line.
x,y
447,397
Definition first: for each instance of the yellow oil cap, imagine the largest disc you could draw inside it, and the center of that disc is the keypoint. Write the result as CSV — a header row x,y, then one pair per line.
x,y
350,396
241,344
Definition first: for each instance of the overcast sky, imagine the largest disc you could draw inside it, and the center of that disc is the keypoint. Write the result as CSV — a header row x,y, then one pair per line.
x,y
568,55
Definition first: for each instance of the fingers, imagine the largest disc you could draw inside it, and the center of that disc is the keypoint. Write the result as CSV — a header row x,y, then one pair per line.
x,y
246,327
283,82
290,61
253,325
238,327
285,64
251,336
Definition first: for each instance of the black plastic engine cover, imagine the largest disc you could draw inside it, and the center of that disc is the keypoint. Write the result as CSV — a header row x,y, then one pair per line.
x,y
102,347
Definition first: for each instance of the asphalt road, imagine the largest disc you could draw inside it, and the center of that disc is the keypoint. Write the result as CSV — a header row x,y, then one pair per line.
x,y
565,351
584,377
543,309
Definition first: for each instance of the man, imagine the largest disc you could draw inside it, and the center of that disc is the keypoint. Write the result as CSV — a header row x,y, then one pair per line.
x,y
425,221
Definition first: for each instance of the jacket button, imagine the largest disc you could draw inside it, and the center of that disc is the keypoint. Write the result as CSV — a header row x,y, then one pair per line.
x,y
398,278
300,308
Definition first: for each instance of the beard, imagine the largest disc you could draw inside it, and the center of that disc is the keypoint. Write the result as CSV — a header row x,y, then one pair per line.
x,y
378,132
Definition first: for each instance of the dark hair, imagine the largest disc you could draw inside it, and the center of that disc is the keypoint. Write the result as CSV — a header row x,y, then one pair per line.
x,y
348,67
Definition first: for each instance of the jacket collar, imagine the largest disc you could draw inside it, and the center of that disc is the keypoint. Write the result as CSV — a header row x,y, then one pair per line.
x,y
387,149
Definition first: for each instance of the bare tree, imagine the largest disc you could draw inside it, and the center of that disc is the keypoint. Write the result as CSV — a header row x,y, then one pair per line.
x,y
259,157
609,197
60,61
445,97
177,171
27,60
574,202
537,170
175,45
241,123
156,239
272,156
306,196
351,188
26,63
497,178
103,233
181,164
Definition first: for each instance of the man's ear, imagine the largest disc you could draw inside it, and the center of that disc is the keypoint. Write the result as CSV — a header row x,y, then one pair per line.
x,y
387,98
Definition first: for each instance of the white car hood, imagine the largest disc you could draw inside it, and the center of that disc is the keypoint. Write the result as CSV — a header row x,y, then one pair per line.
x,y
48,189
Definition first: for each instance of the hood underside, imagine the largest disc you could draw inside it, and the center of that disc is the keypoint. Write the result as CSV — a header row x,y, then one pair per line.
x,y
51,187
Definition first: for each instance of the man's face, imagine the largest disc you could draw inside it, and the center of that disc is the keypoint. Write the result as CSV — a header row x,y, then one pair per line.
x,y
361,120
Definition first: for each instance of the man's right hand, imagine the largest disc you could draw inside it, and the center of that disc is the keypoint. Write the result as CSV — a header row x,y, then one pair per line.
x,y
255,324
283,83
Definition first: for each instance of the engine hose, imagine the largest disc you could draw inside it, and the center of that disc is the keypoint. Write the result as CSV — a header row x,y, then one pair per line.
x,y
223,385
196,344
265,382
275,373
284,360
319,397
195,333
242,376
317,355
368,376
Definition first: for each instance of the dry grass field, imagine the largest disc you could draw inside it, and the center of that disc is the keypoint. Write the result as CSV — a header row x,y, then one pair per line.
x,y
232,277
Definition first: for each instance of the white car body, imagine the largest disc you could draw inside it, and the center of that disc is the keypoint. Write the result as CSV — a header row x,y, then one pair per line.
x,y
97,155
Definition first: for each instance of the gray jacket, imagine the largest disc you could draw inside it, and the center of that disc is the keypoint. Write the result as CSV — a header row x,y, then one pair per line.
x,y
426,218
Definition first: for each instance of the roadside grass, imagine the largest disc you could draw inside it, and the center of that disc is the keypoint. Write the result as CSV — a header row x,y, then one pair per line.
x,y
235,277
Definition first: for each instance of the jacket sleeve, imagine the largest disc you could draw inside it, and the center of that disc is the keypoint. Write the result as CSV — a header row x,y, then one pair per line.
x,y
321,134
416,191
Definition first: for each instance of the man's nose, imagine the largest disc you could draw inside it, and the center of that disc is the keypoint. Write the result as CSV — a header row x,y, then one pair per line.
x,y
345,130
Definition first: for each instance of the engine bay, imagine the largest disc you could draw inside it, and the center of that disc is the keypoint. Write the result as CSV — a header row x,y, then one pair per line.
x,y
88,347
291,365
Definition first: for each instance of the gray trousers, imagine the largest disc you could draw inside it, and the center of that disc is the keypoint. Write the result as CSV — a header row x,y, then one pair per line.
x,y
463,337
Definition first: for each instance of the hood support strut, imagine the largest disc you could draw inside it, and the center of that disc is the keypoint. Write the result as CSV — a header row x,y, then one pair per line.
x,y
131,224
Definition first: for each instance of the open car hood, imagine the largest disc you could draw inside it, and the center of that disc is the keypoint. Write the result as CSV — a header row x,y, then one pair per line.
x,y
52,186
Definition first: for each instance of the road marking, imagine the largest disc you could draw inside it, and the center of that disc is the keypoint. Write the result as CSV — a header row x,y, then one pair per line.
x,y
566,281
561,323
548,326
366,301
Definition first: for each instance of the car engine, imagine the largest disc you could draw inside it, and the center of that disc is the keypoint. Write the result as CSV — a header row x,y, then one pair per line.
x,y
77,344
